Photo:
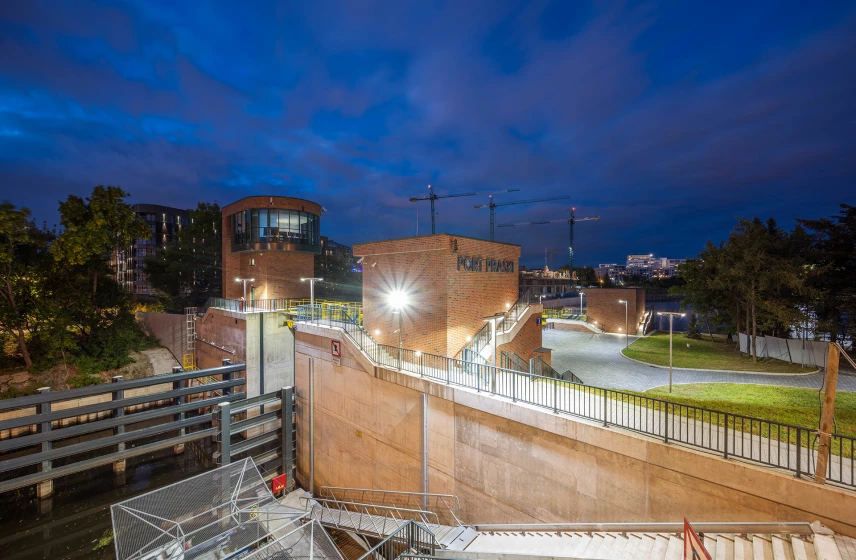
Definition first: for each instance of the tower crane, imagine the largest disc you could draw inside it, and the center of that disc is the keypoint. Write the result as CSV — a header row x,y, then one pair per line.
x,y
492,205
571,220
432,196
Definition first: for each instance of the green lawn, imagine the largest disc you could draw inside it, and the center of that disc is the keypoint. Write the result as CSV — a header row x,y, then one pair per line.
x,y
703,354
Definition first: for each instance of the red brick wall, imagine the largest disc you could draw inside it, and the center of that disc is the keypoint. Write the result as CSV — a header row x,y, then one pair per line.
x,y
277,273
527,340
602,306
446,304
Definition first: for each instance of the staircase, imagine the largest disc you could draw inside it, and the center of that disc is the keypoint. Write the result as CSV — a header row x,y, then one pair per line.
x,y
378,514
731,541
480,349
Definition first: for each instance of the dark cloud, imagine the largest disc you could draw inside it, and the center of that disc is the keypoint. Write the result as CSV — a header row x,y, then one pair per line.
x,y
667,122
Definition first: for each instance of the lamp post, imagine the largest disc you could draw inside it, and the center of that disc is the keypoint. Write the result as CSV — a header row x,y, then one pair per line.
x,y
244,281
626,332
671,315
311,295
581,302
398,300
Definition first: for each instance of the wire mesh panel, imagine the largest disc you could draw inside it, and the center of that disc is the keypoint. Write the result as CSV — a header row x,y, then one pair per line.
x,y
306,542
224,511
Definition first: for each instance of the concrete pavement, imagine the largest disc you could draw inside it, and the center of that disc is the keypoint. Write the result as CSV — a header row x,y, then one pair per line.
x,y
596,359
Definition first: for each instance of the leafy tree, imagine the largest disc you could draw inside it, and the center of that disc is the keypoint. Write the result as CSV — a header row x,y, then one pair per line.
x,y
22,251
692,328
832,272
95,228
187,271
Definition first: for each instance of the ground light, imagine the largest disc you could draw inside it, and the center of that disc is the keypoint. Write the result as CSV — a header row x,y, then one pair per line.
x,y
671,315
626,331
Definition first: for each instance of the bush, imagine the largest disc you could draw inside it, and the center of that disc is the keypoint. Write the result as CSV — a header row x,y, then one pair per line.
x,y
692,330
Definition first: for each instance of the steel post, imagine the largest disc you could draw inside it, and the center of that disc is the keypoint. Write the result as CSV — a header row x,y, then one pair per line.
x,y
45,489
118,412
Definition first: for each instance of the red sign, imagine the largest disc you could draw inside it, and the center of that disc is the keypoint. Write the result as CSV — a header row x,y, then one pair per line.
x,y
278,483
336,348
693,547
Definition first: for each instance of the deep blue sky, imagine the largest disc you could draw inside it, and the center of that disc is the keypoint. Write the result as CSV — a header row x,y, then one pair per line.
x,y
666,119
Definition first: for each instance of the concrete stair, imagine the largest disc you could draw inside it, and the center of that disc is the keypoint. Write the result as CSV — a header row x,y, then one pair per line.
x,y
655,546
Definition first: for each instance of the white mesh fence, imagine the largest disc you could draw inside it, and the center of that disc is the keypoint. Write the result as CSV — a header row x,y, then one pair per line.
x,y
212,515
306,542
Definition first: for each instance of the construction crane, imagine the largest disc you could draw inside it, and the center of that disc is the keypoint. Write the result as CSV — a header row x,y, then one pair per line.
x,y
492,205
432,196
547,252
571,220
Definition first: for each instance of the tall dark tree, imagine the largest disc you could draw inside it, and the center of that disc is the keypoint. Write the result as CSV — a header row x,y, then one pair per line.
x,y
832,272
187,271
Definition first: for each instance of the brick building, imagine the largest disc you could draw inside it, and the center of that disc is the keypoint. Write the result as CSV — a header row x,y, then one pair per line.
x,y
452,284
273,240
603,308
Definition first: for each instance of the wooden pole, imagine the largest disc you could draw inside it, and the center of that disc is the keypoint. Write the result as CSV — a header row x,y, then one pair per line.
x,y
831,385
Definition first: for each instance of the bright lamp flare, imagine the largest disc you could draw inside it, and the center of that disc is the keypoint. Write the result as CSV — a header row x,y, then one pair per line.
x,y
398,299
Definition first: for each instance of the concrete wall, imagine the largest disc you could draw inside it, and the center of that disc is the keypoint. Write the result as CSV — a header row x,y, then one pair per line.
x,y
168,328
602,306
245,338
447,304
508,462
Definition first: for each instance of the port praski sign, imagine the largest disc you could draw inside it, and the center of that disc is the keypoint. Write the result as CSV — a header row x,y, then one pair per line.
x,y
478,264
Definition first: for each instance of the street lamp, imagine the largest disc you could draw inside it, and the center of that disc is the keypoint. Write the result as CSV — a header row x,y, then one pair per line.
x,y
581,302
398,300
311,295
671,315
626,332
244,281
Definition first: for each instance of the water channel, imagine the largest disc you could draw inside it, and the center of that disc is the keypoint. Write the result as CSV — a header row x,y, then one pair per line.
x,y
75,522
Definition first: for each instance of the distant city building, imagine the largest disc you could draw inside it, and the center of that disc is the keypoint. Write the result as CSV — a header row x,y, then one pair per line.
x,y
165,222
647,266
614,272
544,282
330,248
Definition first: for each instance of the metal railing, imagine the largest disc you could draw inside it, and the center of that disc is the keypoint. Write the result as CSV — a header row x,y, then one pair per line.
x,y
445,507
756,440
410,538
49,435
322,307
514,313
247,429
510,360
543,369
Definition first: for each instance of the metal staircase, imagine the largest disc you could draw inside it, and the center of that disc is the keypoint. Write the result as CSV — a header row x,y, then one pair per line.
x,y
479,349
378,514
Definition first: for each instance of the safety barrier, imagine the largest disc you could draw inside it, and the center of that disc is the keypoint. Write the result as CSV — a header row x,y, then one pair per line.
x,y
184,419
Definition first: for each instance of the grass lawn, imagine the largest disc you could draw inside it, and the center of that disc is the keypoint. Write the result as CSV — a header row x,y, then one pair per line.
x,y
703,354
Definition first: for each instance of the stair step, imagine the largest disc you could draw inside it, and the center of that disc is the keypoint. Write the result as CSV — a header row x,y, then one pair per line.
x,y
593,548
762,548
802,550
724,548
661,544
781,549
742,549
675,550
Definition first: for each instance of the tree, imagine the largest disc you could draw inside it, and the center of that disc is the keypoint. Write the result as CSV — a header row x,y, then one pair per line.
x,y
832,272
96,228
187,271
692,329
22,246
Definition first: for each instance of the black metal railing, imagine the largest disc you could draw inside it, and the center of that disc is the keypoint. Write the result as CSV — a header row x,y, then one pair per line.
x,y
411,537
51,429
756,440
514,313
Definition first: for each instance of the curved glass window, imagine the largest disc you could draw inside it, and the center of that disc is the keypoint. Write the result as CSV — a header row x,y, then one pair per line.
x,y
272,225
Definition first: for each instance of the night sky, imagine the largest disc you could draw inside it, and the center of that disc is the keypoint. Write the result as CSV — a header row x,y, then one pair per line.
x,y
668,120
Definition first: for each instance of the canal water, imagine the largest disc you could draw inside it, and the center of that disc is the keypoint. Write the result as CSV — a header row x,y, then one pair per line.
x,y
75,522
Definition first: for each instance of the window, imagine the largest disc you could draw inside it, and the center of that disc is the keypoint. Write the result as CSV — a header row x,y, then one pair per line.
x,y
263,225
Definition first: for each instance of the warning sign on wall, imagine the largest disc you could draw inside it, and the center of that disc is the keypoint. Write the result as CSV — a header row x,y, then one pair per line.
x,y
693,546
336,351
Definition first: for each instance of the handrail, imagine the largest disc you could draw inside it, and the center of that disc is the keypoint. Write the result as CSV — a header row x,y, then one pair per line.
x,y
409,537
734,436
761,527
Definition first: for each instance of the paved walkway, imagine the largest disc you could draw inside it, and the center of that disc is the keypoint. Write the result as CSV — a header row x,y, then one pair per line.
x,y
595,359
